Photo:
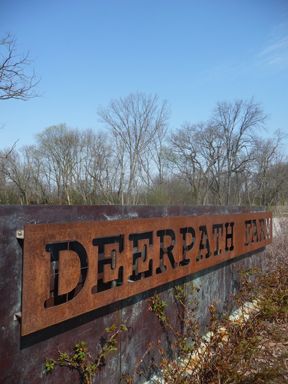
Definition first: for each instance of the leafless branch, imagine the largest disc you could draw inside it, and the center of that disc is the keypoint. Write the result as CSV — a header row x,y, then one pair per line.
x,y
16,79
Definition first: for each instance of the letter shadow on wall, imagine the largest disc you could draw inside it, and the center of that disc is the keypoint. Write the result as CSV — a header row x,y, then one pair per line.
x,y
67,325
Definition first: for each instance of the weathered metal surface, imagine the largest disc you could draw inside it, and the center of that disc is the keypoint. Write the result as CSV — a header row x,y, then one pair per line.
x,y
71,269
22,358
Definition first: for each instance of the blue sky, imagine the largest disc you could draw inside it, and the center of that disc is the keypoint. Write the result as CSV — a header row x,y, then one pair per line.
x,y
191,53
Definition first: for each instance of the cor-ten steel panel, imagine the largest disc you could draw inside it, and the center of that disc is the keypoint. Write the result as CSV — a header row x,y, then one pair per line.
x,y
70,269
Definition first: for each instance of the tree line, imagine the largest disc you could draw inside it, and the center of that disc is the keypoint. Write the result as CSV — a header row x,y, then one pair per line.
x,y
136,159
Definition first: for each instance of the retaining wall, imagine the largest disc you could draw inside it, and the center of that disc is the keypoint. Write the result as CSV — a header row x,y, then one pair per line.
x,y
22,358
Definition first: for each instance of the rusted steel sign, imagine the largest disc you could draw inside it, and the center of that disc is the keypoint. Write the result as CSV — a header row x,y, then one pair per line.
x,y
70,269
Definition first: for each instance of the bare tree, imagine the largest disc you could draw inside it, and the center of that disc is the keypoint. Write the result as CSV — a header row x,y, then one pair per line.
x,y
214,156
269,170
38,186
154,161
18,173
236,123
184,157
99,174
210,153
16,79
134,122
58,148
196,152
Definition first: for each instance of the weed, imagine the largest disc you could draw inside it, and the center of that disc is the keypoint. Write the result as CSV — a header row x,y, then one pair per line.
x,y
81,360
243,348
157,306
